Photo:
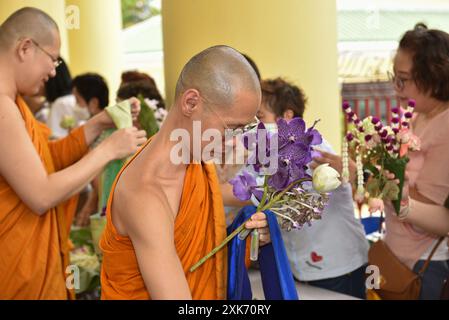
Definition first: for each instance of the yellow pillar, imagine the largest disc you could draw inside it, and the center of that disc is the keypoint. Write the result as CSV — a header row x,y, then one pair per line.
x,y
96,45
55,8
289,38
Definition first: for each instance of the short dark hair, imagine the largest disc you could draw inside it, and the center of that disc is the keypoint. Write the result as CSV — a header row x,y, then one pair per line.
x,y
430,50
92,85
280,96
60,85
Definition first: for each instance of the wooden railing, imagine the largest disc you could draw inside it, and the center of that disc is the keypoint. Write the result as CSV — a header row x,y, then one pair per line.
x,y
374,106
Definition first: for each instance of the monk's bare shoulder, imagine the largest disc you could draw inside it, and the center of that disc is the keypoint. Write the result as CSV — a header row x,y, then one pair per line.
x,y
9,110
136,203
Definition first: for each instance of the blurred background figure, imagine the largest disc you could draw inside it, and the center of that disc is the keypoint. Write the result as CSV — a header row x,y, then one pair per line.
x,y
91,92
135,84
38,105
331,253
62,103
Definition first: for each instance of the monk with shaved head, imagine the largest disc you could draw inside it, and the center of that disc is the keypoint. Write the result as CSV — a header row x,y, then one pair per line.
x,y
38,176
163,215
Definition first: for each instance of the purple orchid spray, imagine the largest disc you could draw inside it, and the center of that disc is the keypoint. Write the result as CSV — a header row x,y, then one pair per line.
x,y
283,190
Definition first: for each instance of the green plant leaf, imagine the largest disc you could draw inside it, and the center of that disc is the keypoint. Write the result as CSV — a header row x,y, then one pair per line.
x,y
147,119
397,166
373,187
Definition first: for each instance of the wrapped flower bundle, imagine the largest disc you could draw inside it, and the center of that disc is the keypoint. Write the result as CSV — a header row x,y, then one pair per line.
x,y
378,148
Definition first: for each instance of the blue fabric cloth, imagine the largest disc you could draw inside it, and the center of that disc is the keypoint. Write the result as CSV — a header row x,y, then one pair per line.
x,y
277,278
371,224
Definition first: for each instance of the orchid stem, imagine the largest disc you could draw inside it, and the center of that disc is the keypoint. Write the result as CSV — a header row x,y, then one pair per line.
x,y
216,249
283,216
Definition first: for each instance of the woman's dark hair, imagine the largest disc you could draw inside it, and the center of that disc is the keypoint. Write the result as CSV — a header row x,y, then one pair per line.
x,y
133,76
430,51
280,96
135,84
92,85
60,85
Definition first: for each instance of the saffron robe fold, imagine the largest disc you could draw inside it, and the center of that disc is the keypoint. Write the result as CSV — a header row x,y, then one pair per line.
x,y
199,227
34,249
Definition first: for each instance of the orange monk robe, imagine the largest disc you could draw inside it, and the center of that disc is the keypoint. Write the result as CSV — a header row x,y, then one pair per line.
x,y
34,249
199,227
70,205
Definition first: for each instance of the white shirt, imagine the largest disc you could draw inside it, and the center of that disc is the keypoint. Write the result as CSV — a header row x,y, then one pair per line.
x,y
441,254
65,106
332,246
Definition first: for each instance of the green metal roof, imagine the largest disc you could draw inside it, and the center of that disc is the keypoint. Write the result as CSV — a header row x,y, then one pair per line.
x,y
386,25
361,25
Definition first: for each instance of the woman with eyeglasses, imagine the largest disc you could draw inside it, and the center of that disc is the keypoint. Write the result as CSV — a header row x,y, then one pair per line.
x,y
421,73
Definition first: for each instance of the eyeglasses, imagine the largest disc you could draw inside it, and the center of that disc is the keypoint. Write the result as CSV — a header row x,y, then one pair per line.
x,y
398,82
236,132
56,61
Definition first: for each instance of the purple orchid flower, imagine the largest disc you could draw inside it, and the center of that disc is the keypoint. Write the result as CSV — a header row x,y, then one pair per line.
x,y
260,147
294,153
245,185
294,131
285,175
292,162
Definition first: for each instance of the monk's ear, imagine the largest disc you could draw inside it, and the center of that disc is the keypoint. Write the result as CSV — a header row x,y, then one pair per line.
x,y
94,104
190,101
23,48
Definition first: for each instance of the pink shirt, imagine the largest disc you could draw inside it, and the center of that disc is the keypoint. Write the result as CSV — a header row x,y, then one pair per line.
x,y
428,172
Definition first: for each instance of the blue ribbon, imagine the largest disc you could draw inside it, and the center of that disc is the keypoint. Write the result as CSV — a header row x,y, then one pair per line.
x,y
277,278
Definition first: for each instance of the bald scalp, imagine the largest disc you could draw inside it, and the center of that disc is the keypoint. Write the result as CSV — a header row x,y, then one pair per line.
x,y
218,73
28,22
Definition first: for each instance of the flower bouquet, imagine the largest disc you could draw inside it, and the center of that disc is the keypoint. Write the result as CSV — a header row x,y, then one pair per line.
x,y
122,118
378,148
281,159
88,263
89,270
67,122
97,225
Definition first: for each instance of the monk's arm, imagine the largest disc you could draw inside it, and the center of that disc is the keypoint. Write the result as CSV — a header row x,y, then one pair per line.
x,y
22,168
430,217
68,150
150,225
95,126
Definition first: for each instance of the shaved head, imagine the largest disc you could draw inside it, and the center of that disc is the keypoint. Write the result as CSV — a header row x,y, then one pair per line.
x,y
28,23
218,73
